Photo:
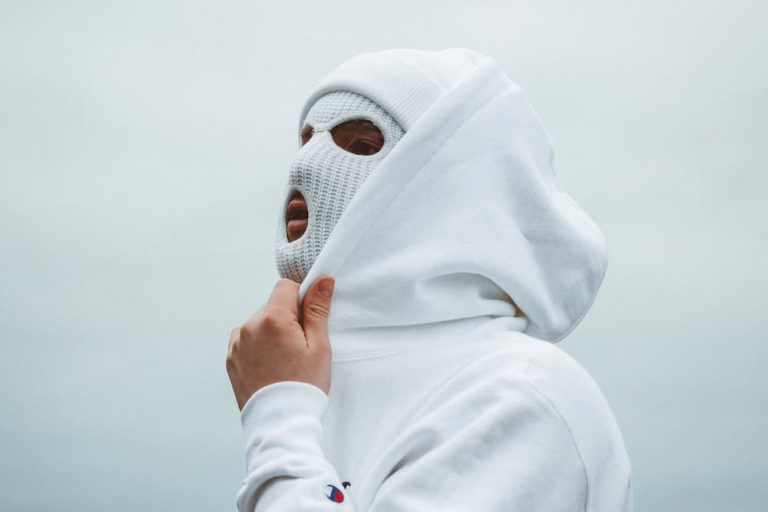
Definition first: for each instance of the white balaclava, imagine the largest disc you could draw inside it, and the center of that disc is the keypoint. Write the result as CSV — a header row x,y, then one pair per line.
x,y
328,176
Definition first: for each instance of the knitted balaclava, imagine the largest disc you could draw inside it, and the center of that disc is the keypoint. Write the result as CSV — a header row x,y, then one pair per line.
x,y
328,175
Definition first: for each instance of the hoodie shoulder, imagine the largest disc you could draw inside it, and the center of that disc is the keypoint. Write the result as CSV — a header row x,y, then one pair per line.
x,y
577,400
528,416
552,371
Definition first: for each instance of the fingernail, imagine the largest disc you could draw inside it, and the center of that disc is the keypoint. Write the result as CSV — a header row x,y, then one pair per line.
x,y
326,286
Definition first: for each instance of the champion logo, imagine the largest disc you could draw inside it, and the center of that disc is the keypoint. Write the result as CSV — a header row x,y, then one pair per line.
x,y
335,494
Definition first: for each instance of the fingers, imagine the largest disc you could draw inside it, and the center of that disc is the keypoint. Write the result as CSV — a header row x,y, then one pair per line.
x,y
285,294
316,309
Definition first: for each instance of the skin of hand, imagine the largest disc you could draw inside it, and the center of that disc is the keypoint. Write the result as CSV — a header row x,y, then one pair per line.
x,y
283,341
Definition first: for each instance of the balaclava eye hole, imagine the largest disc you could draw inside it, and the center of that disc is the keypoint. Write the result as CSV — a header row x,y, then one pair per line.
x,y
306,134
358,136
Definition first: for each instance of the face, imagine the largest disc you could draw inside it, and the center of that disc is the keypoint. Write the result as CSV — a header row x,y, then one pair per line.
x,y
358,136
343,139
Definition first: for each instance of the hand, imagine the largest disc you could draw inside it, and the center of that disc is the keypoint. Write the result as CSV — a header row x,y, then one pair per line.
x,y
281,342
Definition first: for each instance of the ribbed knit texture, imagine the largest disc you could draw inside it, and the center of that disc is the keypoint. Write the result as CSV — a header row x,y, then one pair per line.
x,y
404,81
328,176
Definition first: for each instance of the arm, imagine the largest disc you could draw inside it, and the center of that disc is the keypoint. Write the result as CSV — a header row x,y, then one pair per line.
x,y
279,363
286,469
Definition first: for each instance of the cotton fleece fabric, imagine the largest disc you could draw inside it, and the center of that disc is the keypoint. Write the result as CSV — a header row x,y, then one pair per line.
x,y
459,263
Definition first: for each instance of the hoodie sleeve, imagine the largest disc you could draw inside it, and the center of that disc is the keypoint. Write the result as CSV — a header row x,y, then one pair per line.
x,y
286,469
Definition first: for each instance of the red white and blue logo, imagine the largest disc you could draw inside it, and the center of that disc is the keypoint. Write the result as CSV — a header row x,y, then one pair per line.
x,y
335,494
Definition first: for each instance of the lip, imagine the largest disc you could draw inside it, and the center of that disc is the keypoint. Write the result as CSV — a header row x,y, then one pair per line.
x,y
296,216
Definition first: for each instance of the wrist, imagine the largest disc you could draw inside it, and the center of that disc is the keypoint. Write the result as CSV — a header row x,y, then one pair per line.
x,y
283,399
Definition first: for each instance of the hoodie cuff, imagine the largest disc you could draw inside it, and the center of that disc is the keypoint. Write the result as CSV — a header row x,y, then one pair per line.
x,y
283,418
283,401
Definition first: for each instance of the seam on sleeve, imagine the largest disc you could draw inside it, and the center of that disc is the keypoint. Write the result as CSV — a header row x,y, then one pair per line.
x,y
570,434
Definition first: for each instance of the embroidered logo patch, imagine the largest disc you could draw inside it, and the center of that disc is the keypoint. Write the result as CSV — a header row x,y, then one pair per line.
x,y
335,494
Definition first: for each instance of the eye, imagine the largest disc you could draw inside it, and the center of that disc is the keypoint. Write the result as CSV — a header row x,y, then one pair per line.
x,y
358,136
306,134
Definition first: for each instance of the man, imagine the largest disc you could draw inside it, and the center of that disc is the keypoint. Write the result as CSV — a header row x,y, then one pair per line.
x,y
406,361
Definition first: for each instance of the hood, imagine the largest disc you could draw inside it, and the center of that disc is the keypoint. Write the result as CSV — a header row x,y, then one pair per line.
x,y
462,225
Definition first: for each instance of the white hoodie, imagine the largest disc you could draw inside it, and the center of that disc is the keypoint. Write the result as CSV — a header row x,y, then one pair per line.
x,y
459,264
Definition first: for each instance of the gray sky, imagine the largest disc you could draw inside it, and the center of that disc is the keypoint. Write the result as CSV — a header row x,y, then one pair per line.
x,y
143,150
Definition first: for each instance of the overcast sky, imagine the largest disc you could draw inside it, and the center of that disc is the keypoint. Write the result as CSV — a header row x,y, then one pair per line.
x,y
144,147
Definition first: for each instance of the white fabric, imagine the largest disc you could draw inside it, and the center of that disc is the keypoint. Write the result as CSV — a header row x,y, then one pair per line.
x,y
328,176
404,82
458,263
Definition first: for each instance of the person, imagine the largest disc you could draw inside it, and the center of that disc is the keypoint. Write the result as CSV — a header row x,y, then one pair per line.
x,y
406,360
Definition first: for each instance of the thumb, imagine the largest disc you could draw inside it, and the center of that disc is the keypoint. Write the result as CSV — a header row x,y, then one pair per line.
x,y
316,309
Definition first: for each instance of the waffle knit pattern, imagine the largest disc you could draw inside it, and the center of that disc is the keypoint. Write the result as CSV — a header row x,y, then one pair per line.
x,y
328,176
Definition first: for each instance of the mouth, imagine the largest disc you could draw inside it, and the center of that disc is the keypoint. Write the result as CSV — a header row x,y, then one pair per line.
x,y
296,216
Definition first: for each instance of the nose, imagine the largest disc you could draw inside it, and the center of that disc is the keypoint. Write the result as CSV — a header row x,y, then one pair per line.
x,y
296,216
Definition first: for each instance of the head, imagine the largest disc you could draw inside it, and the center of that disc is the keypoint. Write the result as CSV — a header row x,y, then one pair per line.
x,y
348,125
343,138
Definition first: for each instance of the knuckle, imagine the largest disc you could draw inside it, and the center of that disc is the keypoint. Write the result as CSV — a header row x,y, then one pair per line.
x,y
232,347
246,329
271,318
